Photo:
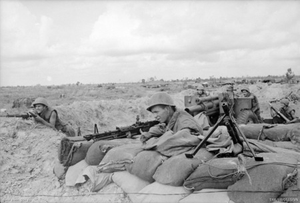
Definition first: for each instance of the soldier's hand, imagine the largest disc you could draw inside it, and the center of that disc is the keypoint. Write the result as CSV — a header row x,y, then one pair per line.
x,y
32,112
144,136
38,118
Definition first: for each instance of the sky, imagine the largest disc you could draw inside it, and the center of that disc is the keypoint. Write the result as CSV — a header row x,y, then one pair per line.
x,y
93,42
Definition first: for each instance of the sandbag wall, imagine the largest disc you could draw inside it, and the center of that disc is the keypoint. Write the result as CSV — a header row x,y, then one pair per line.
x,y
155,177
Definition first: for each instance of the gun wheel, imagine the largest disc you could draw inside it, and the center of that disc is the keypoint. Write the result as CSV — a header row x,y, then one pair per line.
x,y
246,116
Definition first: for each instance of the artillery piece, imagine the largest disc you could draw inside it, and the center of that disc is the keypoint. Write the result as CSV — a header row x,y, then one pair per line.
x,y
212,107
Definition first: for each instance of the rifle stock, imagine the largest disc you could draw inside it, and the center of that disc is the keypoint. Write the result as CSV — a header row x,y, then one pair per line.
x,y
278,113
23,116
122,132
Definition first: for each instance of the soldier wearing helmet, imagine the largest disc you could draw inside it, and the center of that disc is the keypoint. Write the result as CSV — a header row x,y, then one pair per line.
x,y
49,117
201,92
289,75
255,105
287,111
170,117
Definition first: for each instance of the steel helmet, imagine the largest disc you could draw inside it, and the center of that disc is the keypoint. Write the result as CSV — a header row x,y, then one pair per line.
x,y
200,87
245,88
160,98
285,101
40,100
229,88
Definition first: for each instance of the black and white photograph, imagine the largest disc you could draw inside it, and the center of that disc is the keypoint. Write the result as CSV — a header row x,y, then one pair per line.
x,y
149,101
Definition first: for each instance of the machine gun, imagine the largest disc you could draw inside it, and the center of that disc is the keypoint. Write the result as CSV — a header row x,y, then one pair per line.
x,y
121,132
278,113
233,130
23,116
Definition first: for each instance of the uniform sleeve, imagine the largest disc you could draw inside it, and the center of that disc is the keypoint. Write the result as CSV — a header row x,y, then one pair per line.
x,y
156,131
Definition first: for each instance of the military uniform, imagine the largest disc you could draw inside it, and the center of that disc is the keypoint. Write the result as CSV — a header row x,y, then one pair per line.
x,y
59,125
287,112
179,119
46,115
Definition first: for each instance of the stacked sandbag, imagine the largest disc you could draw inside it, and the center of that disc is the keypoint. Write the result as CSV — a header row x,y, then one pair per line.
x,y
177,168
217,173
129,183
159,193
208,195
145,164
274,132
282,144
117,158
72,150
269,179
97,150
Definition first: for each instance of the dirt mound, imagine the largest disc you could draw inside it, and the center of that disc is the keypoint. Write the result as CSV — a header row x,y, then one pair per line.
x,y
22,102
29,151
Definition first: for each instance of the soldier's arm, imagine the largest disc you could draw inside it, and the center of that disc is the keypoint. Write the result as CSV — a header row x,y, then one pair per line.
x,y
295,118
52,120
255,105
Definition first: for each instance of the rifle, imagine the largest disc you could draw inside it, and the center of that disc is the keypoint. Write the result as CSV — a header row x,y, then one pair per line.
x,y
23,116
278,113
121,132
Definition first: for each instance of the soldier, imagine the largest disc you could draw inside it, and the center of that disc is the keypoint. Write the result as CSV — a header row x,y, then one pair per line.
x,y
255,105
289,75
169,116
201,92
287,111
49,117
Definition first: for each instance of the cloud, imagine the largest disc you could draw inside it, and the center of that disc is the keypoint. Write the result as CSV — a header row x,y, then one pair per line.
x,y
167,39
23,36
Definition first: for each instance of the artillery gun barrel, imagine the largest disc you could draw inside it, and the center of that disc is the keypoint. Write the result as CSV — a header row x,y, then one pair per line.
x,y
207,99
210,107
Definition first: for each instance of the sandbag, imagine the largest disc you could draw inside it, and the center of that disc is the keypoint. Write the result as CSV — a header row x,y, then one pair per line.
x,y
207,195
59,170
268,179
282,144
159,193
116,158
177,168
129,183
145,164
98,149
98,180
277,132
72,150
217,173
74,172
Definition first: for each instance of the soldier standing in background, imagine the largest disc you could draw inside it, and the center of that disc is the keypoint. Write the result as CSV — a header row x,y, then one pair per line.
x,y
289,76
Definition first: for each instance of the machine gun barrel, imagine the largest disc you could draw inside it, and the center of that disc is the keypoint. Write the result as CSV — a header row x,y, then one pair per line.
x,y
122,132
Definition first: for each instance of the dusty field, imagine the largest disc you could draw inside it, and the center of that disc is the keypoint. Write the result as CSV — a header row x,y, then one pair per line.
x,y
29,151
